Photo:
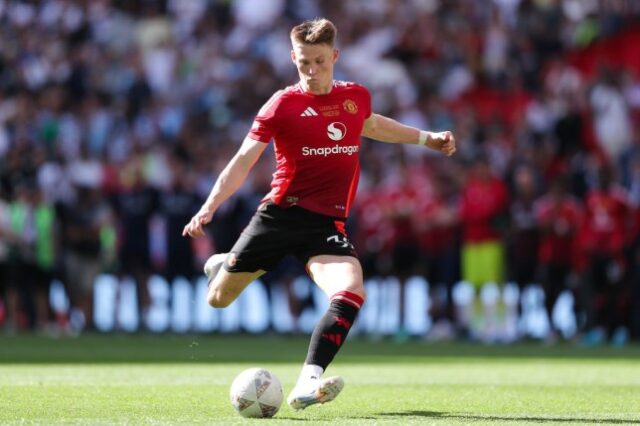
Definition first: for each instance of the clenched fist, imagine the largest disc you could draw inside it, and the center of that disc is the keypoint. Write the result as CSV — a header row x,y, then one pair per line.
x,y
444,142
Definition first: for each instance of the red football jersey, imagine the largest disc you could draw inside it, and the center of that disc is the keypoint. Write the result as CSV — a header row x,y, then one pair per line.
x,y
317,145
483,202
607,225
559,221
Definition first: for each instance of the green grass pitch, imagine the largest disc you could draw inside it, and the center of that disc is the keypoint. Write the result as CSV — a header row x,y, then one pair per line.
x,y
169,379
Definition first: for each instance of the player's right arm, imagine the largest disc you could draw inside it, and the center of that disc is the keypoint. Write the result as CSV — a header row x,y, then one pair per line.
x,y
386,129
227,183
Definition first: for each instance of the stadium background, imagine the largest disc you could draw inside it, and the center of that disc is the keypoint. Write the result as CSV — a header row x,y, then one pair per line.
x,y
117,116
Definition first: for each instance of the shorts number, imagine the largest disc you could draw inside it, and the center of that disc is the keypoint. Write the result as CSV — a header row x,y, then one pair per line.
x,y
340,239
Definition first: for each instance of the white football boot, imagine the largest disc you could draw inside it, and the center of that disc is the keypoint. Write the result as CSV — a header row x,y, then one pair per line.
x,y
213,265
316,391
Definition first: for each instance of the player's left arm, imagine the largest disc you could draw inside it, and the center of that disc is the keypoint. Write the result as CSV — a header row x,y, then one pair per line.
x,y
386,129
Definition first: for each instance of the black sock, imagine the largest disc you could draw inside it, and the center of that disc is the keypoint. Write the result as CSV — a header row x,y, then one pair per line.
x,y
331,332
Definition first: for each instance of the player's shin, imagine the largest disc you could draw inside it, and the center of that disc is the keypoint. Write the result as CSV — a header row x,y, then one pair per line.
x,y
331,332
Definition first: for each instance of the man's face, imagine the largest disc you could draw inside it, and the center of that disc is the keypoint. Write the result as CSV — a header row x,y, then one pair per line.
x,y
315,65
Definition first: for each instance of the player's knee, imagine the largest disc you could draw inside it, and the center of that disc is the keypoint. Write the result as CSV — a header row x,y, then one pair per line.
x,y
216,300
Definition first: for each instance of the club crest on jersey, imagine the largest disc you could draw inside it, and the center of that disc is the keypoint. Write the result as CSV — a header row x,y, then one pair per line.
x,y
350,106
336,131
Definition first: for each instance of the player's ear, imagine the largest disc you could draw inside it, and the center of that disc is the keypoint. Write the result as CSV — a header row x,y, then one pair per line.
x,y
336,55
293,56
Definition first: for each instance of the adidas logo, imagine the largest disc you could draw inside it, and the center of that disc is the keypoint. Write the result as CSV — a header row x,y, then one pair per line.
x,y
309,112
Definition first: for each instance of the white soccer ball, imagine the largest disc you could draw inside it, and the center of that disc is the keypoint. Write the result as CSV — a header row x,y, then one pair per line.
x,y
256,393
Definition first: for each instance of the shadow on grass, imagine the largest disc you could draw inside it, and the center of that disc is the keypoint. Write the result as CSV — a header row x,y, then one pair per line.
x,y
291,419
471,417
298,419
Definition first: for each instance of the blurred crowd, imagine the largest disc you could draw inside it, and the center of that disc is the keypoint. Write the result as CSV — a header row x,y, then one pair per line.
x,y
117,116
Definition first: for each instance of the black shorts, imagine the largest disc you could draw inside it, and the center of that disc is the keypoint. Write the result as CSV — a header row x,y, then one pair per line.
x,y
275,232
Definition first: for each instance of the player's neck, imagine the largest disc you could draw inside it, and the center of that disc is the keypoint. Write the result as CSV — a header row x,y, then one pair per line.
x,y
317,90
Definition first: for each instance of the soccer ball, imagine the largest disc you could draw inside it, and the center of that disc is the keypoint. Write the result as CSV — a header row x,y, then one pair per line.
x,y
256,393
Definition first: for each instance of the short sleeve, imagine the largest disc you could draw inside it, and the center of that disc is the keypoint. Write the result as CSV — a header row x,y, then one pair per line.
x,y
264,125
366,101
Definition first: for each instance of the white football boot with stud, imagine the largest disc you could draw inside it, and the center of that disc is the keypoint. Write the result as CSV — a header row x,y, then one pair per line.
x,y
315,391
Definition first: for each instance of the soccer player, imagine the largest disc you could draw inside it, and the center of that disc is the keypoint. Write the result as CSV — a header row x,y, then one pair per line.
x,y
316,127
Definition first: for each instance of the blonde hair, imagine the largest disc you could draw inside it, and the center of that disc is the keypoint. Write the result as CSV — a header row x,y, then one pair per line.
x,y
317,31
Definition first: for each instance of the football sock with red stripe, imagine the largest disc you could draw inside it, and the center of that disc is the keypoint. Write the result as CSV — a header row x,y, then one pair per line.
x,y
332,330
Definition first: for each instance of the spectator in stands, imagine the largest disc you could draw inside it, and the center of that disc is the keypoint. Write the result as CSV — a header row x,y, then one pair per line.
x,y
559,218
522,234
32,257
134,205
176,204
604,237
46,247
402,192
521,242
83,223
483,209
436,225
